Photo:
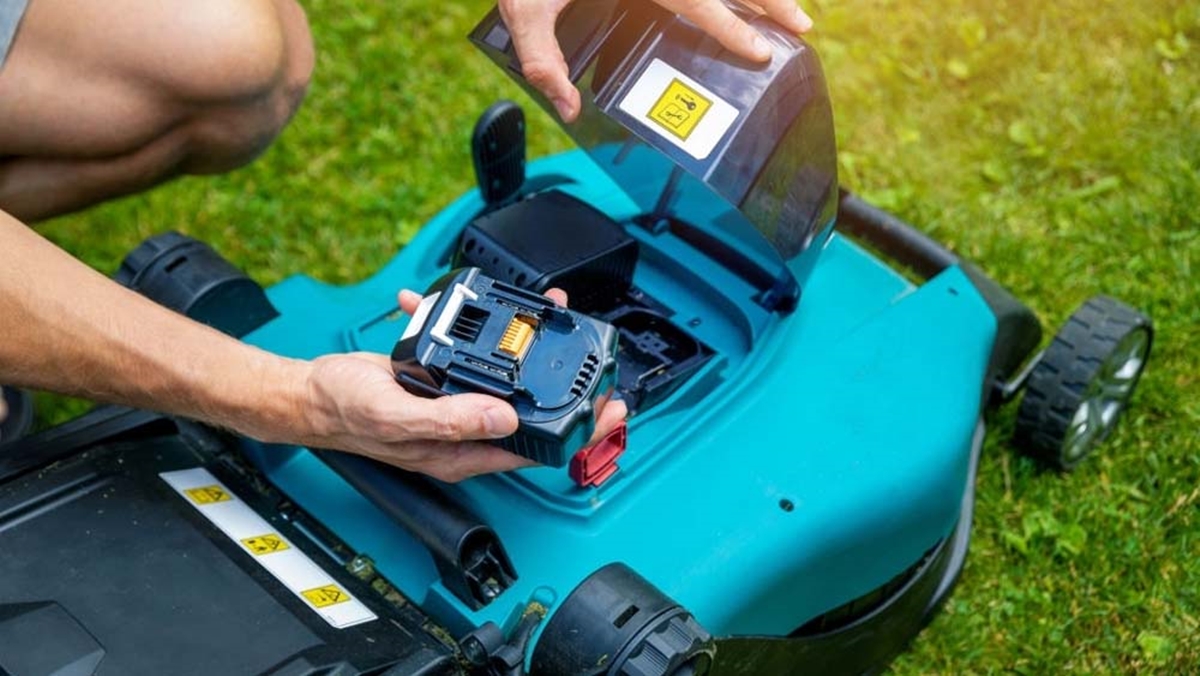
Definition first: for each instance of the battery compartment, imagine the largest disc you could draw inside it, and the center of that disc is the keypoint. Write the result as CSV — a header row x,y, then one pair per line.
x,y
551,239
655,356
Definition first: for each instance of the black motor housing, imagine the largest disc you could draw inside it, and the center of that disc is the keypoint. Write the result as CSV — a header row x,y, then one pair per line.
x,y
553,240
188,276
615,617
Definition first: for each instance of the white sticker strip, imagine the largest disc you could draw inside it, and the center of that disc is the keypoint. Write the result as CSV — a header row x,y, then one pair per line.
x,y
270,549
679,109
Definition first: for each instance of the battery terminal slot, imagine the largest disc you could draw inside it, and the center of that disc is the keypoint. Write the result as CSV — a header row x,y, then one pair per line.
x,y
518,336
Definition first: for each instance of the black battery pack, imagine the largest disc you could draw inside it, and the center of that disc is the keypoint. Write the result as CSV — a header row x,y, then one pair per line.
x,y
472,333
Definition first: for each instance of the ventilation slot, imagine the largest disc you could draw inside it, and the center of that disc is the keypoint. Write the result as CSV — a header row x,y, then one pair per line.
x,y
587,372
534,448
469,323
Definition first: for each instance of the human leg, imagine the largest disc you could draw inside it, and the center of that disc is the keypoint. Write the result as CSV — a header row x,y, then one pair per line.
x,y
102,98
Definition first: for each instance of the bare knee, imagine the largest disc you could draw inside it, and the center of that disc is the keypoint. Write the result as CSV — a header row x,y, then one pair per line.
x,y
158,89
247,73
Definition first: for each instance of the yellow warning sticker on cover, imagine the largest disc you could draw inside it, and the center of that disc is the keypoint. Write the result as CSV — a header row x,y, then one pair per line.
x,y
668,105
282,558
679,109
207,495
325,596
265,544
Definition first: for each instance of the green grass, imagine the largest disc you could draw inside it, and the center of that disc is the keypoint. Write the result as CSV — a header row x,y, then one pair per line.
x,y
1056,144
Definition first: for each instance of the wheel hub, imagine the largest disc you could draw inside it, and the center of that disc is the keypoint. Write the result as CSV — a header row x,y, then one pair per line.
x,y
1106,395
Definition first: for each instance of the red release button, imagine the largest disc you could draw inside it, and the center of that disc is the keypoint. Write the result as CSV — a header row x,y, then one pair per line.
x,y
593,465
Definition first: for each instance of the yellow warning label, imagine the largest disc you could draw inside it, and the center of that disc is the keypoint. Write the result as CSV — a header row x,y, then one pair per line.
x,y
326,596
679,109
265,544
206,495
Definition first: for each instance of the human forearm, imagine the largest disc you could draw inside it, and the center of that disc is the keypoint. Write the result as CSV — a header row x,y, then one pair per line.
x,y
69,329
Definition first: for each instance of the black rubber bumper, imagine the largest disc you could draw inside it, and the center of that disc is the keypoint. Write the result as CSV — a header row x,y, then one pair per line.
x,y
869,643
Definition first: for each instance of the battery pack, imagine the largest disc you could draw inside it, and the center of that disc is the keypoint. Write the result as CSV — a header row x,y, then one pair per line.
x,y
472,333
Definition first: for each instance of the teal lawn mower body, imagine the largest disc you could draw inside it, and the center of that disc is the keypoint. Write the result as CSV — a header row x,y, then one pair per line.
x,y
813,428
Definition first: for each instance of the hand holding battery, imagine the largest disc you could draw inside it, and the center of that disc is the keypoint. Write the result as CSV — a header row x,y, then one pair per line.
x,y
354,404
532,25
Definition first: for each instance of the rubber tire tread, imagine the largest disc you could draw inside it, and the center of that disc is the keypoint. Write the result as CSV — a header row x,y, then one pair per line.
x,y
20,414
1071,362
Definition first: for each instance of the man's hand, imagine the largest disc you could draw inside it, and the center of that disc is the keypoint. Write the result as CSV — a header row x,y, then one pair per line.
x,y
354,404
532,22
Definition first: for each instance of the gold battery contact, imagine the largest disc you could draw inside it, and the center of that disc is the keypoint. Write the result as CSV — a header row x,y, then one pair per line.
x,y
518,336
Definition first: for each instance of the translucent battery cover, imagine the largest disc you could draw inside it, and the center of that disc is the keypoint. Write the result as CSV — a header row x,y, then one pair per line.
x,y
736,157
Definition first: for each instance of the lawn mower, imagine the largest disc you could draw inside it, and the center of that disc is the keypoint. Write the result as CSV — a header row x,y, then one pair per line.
x,y
808,379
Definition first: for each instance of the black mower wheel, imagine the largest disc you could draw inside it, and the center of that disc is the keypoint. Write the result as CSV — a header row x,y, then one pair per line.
x,y
20,414
1083,381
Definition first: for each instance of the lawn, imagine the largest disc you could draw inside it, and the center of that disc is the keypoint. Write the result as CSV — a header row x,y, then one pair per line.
x,y
1056,144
